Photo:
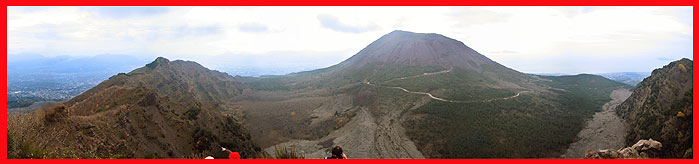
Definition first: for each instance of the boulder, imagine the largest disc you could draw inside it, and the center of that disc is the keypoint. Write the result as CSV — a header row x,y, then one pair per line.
x,y
648,148
642,149
629,153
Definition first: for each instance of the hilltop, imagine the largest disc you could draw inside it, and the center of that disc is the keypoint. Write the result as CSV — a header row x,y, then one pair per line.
x,y
166,109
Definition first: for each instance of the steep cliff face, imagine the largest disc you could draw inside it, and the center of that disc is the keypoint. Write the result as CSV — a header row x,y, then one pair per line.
x,y
661,108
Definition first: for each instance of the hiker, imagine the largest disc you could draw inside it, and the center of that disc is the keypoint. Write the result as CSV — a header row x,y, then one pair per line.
x,y
231,154
337,153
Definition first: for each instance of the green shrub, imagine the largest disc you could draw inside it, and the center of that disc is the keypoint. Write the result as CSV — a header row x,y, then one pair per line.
x,y
287,153
28,150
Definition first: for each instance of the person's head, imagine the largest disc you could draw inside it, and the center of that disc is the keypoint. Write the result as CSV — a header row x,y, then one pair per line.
x,y
337,151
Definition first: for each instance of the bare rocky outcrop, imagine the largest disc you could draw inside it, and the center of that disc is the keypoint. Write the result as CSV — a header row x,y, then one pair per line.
x,y
374,132
365,136
642,149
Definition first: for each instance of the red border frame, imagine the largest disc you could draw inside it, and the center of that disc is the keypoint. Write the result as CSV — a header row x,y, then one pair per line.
x,y
349,2
3,74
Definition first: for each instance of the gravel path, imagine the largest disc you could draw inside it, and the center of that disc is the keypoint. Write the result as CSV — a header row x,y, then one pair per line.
x,y
605,131
447,100
424,74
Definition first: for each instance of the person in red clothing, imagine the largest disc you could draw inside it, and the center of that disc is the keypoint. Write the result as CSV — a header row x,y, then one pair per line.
x,y
231,154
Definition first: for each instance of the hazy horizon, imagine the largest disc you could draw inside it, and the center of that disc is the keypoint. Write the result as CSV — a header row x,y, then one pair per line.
x,y
280,40
262,71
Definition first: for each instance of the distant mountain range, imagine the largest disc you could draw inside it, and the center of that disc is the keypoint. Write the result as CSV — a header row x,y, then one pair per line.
x,y
631,78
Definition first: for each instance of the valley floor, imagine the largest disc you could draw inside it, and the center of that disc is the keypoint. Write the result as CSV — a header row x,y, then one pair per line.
x,y
606,130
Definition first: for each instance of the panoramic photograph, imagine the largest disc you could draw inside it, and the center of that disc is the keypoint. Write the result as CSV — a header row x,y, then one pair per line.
x,y
353,82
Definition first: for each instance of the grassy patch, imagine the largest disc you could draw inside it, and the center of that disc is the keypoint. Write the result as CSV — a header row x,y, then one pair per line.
x,y
287,153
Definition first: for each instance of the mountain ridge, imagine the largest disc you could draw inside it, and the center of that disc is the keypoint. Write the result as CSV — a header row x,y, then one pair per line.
x,y
166,109
660,108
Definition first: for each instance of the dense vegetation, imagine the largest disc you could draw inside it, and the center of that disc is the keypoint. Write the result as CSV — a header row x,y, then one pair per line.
x,y
583,93
529,126
459,84
585,83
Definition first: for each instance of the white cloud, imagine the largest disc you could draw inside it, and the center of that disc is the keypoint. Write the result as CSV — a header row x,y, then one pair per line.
x,y
334,23
524,38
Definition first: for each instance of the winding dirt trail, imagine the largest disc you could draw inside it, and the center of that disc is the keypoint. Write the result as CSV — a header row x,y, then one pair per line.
x,y
438,98
447,100
606,130
421,75
413,92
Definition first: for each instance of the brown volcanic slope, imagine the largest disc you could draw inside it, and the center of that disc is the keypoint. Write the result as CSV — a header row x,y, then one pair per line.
x,y
661,108
404,54
173,78
163,110
418,49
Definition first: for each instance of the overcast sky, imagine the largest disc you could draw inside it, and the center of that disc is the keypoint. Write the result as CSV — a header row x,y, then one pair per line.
x,y
529,39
